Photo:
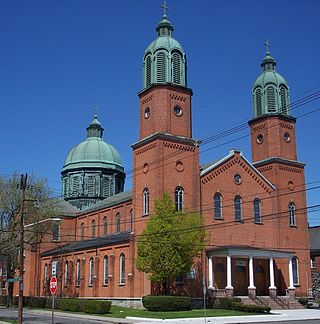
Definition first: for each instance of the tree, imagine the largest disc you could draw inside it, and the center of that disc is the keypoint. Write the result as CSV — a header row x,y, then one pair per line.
x,y
169,243
38,206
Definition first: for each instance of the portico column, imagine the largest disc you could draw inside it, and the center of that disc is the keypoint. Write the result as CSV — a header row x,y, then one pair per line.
x,y
251,276
210,281
229,288
272,287
291,288
251,288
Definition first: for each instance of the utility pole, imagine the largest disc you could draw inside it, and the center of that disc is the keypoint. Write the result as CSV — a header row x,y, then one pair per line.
x,y
23,185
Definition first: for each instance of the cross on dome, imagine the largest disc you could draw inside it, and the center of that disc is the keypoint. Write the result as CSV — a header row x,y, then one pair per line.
x,y
165,8
267,46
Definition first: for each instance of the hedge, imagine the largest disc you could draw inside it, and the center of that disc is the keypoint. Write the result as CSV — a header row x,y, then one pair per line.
x,y
90,306
166,303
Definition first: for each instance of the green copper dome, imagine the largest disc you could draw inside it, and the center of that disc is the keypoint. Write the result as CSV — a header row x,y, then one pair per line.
x,y
164,59
270,90
92,170
93,152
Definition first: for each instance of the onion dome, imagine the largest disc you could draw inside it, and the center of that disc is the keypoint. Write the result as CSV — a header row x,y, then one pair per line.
x,y
270,90
164,59
93,170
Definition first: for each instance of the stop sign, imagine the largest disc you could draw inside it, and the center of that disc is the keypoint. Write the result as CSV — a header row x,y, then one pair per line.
x,y
53,285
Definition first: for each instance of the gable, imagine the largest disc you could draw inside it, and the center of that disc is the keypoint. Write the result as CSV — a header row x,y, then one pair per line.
x,y
234,158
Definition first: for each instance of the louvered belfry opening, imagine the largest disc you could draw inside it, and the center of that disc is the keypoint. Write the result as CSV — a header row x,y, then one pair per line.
x,y
258,102
161,67
271,99
176,68
284,99
148,71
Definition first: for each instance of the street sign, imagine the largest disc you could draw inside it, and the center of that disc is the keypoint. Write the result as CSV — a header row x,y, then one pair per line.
x,y
54,268
53,285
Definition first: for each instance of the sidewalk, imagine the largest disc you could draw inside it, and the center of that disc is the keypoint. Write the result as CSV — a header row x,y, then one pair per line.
x,y
275,316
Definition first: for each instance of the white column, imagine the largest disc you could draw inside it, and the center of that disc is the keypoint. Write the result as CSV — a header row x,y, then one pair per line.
x,y
291,286
251,277
272,286
229,278
210,283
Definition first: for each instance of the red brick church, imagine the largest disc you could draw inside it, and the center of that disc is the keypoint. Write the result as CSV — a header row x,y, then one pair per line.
x,y
254,211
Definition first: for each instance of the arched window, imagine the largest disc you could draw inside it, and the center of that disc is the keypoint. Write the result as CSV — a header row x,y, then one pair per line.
x,y
295,271
271,99
118,223
91,271
105,270
176,68
257,210
66,274
284,99
161,67
217,205
131,220
93,229
292,214
82,231
78,274
122,269
237,208
146,201
45,279
105,226
258,102
179,198
148,71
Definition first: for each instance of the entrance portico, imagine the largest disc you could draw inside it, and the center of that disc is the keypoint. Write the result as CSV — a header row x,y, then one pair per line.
x,y
246,270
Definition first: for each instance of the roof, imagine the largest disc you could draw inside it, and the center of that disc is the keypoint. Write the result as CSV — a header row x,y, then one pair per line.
x,y
66,209
207,165
112,239
117,199
314,236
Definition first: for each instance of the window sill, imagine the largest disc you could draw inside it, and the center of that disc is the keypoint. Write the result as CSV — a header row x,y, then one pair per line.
x,y
258,223
122,284
105,285
239,221
293,226
145,215
219,219
296,285
90,286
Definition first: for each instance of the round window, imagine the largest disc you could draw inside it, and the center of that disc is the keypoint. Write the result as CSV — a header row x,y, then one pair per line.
x,y
259,138
287,137
147,112
237,179
177,110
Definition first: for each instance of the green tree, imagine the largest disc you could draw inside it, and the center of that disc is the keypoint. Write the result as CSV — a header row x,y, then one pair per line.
x,y
169,243
39,205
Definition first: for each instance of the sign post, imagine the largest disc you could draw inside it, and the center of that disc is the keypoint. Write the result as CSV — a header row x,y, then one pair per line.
x,y
53,290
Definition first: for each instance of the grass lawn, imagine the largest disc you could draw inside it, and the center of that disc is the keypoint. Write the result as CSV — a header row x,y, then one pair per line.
x,y
122,312
7,320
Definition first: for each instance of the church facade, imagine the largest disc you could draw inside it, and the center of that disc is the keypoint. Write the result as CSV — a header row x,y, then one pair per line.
x,y
254,211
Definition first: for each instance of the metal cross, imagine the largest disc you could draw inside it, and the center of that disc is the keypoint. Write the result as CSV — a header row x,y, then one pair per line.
x,y
95,109
267,46
164,6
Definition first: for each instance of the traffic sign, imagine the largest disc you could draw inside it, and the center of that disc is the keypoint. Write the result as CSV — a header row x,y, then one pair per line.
x,y
53,285
54,268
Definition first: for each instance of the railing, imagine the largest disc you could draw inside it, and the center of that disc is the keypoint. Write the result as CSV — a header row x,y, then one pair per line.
x,y
284,304
258,300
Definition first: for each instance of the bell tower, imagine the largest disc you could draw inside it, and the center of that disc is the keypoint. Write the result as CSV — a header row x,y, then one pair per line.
x,y
166,157
273,132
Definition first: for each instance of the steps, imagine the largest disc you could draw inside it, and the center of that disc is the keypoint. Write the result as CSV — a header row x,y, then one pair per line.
x,y
279,302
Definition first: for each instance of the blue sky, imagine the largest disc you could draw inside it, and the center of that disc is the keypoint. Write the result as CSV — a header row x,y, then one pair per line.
x,y
61,58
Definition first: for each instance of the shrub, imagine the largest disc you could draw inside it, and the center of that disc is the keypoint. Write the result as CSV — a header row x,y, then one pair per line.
x,y
227,303
96,306
39,302
303,301
71,305
236,304
166,303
